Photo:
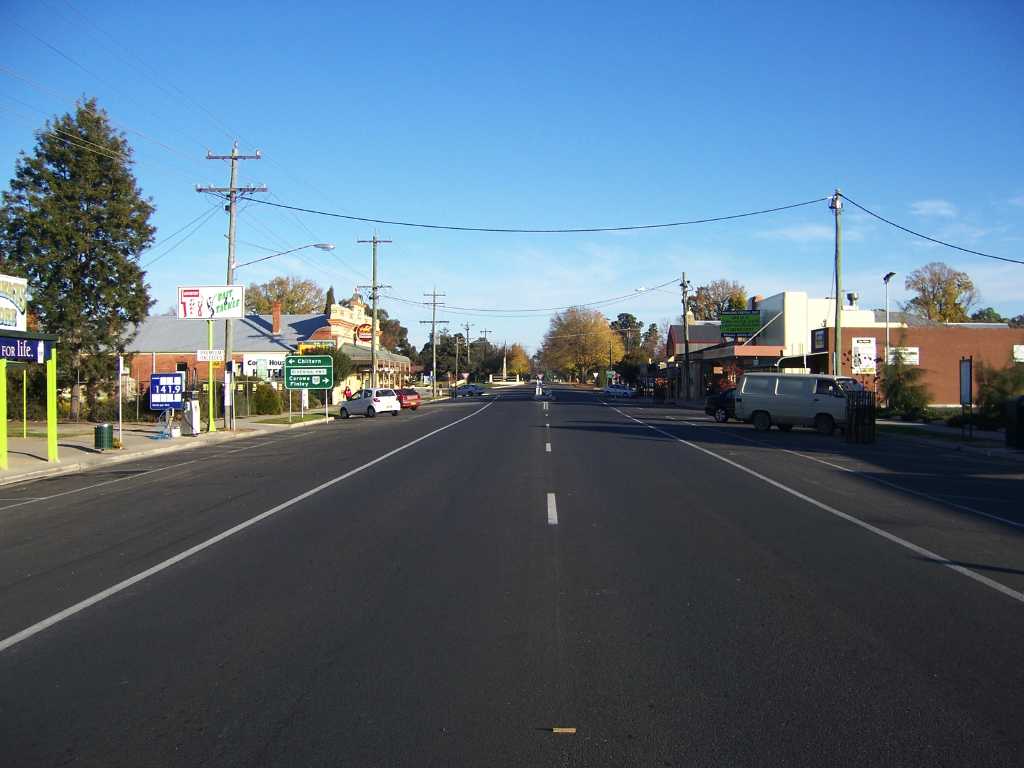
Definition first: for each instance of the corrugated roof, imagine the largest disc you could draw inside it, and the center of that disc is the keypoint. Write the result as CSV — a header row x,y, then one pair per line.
x,y
700,330
166,333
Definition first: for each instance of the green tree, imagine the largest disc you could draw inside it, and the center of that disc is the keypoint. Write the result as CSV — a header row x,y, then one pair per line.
x,y
652,344
297,296
630,329
329,301
711,300
74,222
631,367
987,315
1016,322
902,387
995,387
393,335
580,341
943,294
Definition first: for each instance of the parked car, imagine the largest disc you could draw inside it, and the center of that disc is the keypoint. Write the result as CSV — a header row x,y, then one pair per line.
x,y
370,402
618,390
721,405
409,398
470,390
788,399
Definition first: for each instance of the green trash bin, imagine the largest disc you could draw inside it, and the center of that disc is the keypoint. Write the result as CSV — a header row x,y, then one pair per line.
x,y
103,437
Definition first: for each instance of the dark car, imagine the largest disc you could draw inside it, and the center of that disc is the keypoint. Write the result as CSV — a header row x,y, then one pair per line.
x,y
722,405
409,398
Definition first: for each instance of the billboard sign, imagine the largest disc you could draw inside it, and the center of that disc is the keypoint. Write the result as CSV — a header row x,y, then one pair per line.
x,y
13,303
211,302
966,381
745,322
862,358
819,340
309,372
166,391
909,355
364,332
24,350
1018,353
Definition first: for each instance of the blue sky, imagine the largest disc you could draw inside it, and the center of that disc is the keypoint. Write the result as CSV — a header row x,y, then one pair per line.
x,y
552,115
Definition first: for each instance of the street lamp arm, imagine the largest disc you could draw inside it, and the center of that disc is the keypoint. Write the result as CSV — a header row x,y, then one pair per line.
x,y
321,246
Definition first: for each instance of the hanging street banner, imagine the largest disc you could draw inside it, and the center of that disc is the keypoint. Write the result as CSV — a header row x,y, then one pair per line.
x,y
863,357
739,324
166,391
24,350
211,302
13,303
309,372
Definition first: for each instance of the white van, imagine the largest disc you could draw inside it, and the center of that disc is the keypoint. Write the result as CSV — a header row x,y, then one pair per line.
x,y
787,400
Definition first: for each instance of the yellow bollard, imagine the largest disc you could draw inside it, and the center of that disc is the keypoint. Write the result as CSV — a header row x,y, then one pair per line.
x,y
51,407
3,414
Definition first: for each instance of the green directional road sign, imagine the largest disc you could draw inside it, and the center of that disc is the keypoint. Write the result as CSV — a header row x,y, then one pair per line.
x,y
308,372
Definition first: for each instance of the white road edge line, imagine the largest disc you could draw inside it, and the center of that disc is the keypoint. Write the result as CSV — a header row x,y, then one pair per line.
x,y
164,565
547,447
990,583
552,512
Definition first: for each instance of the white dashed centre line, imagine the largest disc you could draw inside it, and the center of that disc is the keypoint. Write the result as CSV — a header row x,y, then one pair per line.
x,y
552,510
547,447
545,406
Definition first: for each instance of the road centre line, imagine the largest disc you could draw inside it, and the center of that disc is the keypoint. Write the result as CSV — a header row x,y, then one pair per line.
x,y
547,447
991,584
552,514
165,564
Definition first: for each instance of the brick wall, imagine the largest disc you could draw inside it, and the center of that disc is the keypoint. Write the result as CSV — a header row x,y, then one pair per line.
x,y
941,349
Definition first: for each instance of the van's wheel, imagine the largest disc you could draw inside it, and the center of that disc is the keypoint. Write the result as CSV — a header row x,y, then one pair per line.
x,y
825,424
785,427
394,413
370,413
721,416
344,413
762,421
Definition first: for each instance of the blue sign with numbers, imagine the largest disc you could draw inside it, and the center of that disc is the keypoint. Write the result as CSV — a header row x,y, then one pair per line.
x,y
166,391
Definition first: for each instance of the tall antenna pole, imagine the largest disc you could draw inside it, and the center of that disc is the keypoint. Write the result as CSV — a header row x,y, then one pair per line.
x,y
233,191
685,286
374,292
469,362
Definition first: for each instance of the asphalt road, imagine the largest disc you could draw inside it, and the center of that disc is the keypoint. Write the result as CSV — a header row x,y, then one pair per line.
x,y
445,588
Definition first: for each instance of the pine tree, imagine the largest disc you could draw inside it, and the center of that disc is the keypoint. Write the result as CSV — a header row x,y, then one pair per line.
x,y
329,301
74,223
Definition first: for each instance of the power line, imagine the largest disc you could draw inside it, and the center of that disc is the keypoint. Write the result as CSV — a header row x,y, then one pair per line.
x,y
567,230
205,216
926,237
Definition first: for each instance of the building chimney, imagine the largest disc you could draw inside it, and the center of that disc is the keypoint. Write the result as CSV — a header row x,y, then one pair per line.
x,y
275,328
755,301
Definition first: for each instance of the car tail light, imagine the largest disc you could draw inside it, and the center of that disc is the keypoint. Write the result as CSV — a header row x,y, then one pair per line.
x,y
376,399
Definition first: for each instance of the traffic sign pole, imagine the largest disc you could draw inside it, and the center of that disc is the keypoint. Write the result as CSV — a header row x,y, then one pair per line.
x,y
209,377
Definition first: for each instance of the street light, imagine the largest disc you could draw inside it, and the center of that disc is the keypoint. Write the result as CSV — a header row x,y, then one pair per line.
x,y
888,276
321,246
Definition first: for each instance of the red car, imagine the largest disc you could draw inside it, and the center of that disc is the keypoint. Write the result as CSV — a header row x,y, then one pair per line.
x,y
409,398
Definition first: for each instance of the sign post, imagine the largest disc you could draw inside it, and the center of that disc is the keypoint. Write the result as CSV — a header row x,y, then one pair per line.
x,y
967,396
212,302
120,401
3,413
307,372
211,405
166,391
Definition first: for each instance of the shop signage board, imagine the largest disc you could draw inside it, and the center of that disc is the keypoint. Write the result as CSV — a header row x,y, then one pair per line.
x,y
308,372
306,347
166,391
13,303
25,350
863,355
264,366
966,381
211,302
1018,353
209,355
364,332
744,322
909,355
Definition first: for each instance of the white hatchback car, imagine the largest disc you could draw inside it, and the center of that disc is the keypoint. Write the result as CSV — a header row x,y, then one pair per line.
x,y
370,402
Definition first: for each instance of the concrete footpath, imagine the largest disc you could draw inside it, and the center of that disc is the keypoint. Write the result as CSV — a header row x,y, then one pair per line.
x,y
27,455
